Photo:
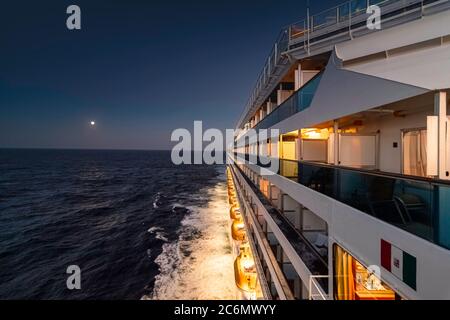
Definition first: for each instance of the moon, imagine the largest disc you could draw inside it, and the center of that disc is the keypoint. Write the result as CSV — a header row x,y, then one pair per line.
x,y
92,123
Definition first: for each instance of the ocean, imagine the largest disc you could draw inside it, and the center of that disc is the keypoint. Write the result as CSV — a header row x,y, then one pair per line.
x,y
138,226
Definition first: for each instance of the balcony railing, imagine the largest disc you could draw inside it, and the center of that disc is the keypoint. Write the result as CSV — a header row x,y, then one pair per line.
x,y
299,101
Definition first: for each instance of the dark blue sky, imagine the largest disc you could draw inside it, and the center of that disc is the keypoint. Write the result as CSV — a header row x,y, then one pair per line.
x,y
140,69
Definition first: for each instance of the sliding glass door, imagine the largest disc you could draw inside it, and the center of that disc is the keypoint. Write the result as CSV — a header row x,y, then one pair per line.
x,y
415,152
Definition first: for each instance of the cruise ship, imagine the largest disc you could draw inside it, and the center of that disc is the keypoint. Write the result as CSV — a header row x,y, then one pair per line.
x,y
358,205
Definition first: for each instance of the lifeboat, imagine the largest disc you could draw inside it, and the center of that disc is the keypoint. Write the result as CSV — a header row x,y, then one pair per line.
x,y
232,200
238,230
235,213
245,271
232,193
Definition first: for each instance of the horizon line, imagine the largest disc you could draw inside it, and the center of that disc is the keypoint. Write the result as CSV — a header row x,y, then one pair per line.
x,y
81,149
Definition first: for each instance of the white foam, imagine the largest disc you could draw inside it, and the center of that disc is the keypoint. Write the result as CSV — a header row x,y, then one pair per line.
x,y
154,229
155,202
160,234
207,273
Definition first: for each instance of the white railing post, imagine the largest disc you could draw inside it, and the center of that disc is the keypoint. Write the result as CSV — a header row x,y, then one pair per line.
x,y
350,19
275,60
308,22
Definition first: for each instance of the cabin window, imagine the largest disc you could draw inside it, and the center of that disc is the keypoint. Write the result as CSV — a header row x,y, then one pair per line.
x,y
353,281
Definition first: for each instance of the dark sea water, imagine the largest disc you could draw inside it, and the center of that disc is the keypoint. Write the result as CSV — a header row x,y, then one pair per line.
x,y
109,212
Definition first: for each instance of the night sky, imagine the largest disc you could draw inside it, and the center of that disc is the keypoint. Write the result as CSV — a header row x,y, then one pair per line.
x,y
140,69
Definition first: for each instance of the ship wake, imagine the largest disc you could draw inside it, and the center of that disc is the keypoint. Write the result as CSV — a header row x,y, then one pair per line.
x,y
199,265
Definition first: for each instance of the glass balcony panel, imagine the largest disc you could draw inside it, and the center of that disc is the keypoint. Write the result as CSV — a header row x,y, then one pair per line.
x,y
306,95
441,218
298,30
318,178
325,19
416,205
344,12
358,7
299,101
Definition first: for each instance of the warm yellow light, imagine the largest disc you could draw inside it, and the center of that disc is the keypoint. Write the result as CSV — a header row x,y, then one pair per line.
x,y
349,130
247,263
315,134
240,225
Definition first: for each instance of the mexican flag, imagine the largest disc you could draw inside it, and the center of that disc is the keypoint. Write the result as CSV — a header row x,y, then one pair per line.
x,y
400,263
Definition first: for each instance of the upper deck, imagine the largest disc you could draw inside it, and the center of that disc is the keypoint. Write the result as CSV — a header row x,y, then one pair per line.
x,y
320,32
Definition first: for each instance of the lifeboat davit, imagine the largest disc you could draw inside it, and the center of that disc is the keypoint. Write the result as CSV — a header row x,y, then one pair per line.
x,y
238,230
245,272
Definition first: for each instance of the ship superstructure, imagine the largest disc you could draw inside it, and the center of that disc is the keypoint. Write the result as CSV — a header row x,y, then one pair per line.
x,y
359,205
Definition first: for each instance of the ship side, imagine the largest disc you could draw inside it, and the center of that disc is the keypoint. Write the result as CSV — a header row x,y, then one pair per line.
x,y
349,198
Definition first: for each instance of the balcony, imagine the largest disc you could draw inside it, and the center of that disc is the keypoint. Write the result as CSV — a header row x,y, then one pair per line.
x,y
314,261
327,28
420,206
299,101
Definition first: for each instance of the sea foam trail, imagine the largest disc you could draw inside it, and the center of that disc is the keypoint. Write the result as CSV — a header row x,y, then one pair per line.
x,y
200,264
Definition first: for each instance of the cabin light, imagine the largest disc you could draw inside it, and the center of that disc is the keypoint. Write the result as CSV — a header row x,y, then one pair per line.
x,y
247,263
240,225
315,134
349,130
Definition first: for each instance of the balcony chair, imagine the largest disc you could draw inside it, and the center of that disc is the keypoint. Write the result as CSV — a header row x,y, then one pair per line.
x,y
381,201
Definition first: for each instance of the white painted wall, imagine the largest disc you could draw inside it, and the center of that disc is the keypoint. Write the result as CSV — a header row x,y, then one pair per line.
x,y
357,150
314,150
391,132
